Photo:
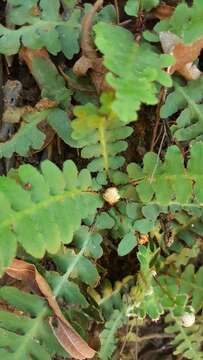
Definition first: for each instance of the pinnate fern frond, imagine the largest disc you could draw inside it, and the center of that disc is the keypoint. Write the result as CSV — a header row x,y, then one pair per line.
x,y
43,210
101,135
170,182
191,283
108,335
132,7
187,99
134,73
26,334
187,341
186,21
31,137
43,26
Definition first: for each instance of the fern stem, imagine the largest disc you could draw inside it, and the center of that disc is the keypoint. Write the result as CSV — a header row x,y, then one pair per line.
x,y
104,146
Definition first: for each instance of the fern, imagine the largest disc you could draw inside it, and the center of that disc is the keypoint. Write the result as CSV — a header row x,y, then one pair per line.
x,y
186,21
52,85
187,340
46,28
192,283
43,210
100,133
189,126
26,333
162,183
133,7
134,72
108,335
30,335
30,136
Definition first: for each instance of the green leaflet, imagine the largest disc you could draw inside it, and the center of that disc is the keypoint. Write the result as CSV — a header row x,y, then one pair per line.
x,y
187,340
45,212
30,334
26,336
45,29
163,183
186,21
132,7
29,136
108,335
134,73
101,135
192,283
189,124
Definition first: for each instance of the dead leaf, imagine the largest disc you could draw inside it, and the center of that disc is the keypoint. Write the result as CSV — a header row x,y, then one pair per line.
x,y
163,11
27,56
69,339
185,55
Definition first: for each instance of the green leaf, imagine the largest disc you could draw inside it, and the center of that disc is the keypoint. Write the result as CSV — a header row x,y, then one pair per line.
x,y
186,21
133,72
163,183
127,244
27,335
104,221
189,124
108,335
100,135
133,6
46,29
45,214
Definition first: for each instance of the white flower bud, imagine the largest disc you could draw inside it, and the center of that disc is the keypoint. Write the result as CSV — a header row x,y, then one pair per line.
x,y
111,195
188,319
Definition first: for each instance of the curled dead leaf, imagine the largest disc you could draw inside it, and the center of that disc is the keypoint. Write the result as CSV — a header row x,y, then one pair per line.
x,y
185,55
69,339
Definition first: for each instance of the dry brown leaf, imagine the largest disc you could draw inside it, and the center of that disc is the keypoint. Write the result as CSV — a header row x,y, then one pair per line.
x,y
185,55
27,56
69,339
163,11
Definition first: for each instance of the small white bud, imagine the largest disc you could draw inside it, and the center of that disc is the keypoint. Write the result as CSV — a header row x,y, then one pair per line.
x,y
188,319
111,195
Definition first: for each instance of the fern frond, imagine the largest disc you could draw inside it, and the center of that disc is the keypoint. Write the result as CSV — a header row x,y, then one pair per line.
x,y
187,99
186,21
187,340
100,134
134,72
110,297
26,334
43,210
133,6
23,331
191,283
46,28
29,136
108,335
163,183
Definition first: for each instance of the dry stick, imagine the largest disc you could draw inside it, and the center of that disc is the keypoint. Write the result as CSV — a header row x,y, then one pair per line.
x,y
161,100
86,41
117,11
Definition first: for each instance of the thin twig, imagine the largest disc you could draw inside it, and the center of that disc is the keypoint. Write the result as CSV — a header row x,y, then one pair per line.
x,y
162,96
158,156
117,11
